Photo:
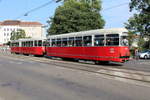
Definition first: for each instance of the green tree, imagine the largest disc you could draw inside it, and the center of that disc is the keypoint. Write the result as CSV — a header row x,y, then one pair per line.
x,y
15,35
131,38
140,22
76,15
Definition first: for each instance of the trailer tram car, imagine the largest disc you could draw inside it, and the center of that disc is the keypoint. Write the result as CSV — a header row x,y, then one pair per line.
x,y
28,47
102,45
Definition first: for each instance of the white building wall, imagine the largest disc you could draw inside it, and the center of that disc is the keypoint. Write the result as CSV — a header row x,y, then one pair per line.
x,y
5,33
1,36
33,31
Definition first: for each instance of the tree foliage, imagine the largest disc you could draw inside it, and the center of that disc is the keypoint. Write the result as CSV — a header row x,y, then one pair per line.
x,y
76,15
131,36
15,35
140,23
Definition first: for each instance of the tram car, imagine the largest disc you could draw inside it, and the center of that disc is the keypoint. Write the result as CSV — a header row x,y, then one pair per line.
x,y
28,47
97,45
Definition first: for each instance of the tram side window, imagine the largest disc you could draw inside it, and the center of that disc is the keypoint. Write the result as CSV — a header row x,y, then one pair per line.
x,y
87,40
16,44
53,43
58,42
40,43
31,43
112,39
25,44
35,43
13,44
48,42
78,41
71,42
64,42
28,44
99,40
22,44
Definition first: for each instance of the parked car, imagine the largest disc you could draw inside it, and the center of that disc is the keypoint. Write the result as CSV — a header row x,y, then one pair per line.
x,y
144,54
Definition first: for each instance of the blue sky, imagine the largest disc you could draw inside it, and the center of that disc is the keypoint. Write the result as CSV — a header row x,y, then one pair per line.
x,y
12,9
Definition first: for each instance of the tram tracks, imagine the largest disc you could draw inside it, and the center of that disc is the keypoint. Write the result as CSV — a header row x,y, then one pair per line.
x,y
117,73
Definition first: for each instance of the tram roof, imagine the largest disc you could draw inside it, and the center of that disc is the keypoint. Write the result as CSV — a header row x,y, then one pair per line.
x,y
93,32
28,39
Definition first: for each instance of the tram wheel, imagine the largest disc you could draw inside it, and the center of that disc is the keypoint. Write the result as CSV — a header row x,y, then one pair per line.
x,y
101,62
69,59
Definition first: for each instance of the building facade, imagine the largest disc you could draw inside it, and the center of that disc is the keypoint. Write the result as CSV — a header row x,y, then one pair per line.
x,y
32,29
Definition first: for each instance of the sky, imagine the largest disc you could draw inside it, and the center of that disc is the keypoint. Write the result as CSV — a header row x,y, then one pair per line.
x,y
15,9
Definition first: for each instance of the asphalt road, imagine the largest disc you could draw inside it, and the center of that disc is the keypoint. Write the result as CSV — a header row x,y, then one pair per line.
x,y
22,79
141,64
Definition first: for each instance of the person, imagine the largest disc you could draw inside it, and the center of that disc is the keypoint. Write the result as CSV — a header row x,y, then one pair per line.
x,y
125,42
136,52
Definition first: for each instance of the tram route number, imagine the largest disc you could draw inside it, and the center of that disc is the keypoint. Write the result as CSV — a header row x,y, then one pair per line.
x,y
112,50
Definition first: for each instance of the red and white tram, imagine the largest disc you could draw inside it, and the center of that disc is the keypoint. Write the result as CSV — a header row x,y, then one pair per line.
x,y
96,45
28,46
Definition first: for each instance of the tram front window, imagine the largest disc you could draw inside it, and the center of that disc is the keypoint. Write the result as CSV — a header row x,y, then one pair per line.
x,y
124,41
112,39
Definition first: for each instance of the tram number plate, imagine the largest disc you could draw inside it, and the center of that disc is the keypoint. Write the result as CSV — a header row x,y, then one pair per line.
x,y
112,50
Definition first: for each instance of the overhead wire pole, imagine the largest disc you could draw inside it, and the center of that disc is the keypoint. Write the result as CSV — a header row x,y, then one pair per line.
x,y
37,8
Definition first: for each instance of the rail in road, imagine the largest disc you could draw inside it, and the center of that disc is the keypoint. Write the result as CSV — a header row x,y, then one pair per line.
x,y
123,74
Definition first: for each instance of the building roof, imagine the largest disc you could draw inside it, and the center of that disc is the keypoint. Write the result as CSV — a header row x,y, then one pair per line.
x,y
29,23
20,23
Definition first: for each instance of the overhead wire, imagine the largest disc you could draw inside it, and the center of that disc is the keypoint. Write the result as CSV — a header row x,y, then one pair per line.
x,y
116,6
35,9
47,3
